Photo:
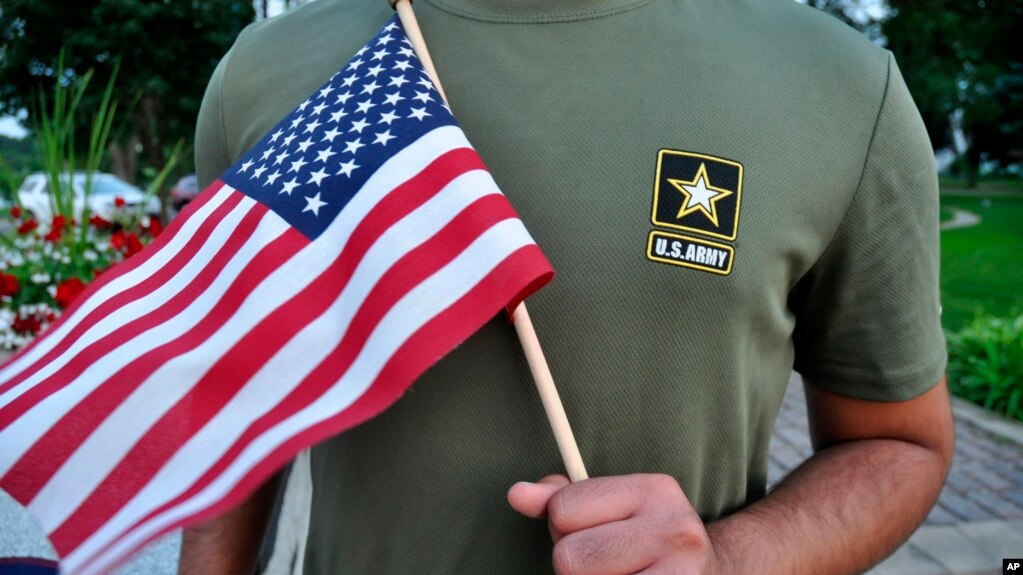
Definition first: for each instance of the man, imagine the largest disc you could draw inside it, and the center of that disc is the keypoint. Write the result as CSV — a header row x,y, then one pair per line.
x,y
727,190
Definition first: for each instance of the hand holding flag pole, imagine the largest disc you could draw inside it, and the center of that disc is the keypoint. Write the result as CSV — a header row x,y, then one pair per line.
x,y
523,325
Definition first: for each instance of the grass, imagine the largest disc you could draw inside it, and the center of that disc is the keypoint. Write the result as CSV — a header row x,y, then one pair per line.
x,y
952,185
982,266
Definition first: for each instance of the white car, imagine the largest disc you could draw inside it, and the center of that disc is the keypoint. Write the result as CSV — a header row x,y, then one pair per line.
x,y
34,196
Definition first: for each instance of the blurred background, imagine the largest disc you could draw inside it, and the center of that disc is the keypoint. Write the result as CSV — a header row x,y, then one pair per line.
x,y
114,87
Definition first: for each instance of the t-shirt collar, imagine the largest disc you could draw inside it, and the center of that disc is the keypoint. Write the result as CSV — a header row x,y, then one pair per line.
x,y
535,11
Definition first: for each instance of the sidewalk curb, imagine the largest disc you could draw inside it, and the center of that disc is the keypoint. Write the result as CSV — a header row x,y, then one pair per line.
x,y
988,421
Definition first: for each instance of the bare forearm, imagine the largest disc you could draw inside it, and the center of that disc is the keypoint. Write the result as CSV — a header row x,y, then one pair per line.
x,y
229,544
843,511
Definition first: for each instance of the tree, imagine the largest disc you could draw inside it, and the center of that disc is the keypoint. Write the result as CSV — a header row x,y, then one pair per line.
x,y
166,49
962,63
265,10
863,15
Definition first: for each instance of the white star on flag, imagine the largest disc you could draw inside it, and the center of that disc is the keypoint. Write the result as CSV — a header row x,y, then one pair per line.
x,y
313,204
383,137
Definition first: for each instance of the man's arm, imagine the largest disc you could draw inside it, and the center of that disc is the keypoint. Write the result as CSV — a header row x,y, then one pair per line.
x,y
877,471
229,544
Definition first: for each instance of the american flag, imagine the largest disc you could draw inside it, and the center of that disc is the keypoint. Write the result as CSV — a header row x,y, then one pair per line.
x,y
301,294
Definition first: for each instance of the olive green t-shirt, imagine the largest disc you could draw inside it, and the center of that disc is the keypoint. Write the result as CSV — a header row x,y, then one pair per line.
x,y
727,190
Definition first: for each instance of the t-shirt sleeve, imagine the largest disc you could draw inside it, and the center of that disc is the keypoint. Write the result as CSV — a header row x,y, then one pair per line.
x,y
212,156
868,315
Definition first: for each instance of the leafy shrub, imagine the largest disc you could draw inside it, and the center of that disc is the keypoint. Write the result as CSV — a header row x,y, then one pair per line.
x,y
986,363
43,267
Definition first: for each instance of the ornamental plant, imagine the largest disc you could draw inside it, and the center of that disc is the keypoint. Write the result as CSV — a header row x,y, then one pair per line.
x,y
985,363
45,266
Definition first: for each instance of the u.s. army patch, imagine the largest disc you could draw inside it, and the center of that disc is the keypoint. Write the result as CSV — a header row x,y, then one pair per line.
x,y
698,193
689,252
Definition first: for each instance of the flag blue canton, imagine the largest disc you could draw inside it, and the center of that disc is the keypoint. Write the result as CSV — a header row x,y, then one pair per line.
x,y
312,163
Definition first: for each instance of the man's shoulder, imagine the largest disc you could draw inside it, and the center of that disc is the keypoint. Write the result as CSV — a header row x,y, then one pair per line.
x,y
325,26
812,28
275,63
798,41
314,26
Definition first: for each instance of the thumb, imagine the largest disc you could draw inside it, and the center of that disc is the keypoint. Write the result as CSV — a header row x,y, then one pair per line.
x,y
530,499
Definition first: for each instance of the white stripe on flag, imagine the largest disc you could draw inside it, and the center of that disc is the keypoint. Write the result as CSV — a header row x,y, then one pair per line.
x,y
417,307
20,435
305,351
111,441
279,377
86,464
116,286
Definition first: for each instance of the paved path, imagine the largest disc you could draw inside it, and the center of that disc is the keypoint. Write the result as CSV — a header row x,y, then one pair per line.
x,y
978,519
960,219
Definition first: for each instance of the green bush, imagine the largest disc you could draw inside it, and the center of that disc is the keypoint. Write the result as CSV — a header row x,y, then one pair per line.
x,y
985,363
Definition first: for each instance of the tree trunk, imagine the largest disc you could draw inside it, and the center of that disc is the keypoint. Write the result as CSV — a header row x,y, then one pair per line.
x,y
972,166
148,125
123,158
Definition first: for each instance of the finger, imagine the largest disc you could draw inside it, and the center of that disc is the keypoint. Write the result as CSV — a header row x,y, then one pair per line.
x,y
594,502
530,499
683,567
616,548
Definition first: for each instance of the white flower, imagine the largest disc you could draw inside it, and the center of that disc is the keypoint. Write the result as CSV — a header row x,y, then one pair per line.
x,y
40,278
90,255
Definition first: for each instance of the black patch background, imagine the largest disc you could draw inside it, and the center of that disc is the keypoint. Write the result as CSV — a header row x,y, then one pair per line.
x,y
670,199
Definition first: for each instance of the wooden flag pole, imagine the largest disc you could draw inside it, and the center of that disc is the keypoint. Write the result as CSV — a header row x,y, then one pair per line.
x,y
548,393
523,326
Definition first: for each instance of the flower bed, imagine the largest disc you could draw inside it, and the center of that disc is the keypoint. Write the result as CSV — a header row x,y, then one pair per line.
x,y
43,268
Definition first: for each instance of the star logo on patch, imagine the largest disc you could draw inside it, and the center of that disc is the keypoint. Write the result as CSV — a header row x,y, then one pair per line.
x,y
699,195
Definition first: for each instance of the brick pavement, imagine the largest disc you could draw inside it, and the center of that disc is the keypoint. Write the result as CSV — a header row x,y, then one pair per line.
x,y
979,515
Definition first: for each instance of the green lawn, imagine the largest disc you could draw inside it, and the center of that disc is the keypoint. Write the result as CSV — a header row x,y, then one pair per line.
x,y
982,266
954,186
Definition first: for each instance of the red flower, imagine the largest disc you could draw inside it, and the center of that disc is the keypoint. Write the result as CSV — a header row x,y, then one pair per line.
x,y
99,223
8,284
155,227
117,239
119,201
128,244
132,246
27,226
30,324
68,290
16,212
56,229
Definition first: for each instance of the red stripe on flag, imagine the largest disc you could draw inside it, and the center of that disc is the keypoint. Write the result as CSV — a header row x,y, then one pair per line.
x,y
110,393
56,445
134,293
431,342
237,366
126,266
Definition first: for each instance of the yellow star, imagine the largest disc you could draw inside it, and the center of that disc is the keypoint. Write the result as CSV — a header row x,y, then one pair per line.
x,y
700,195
